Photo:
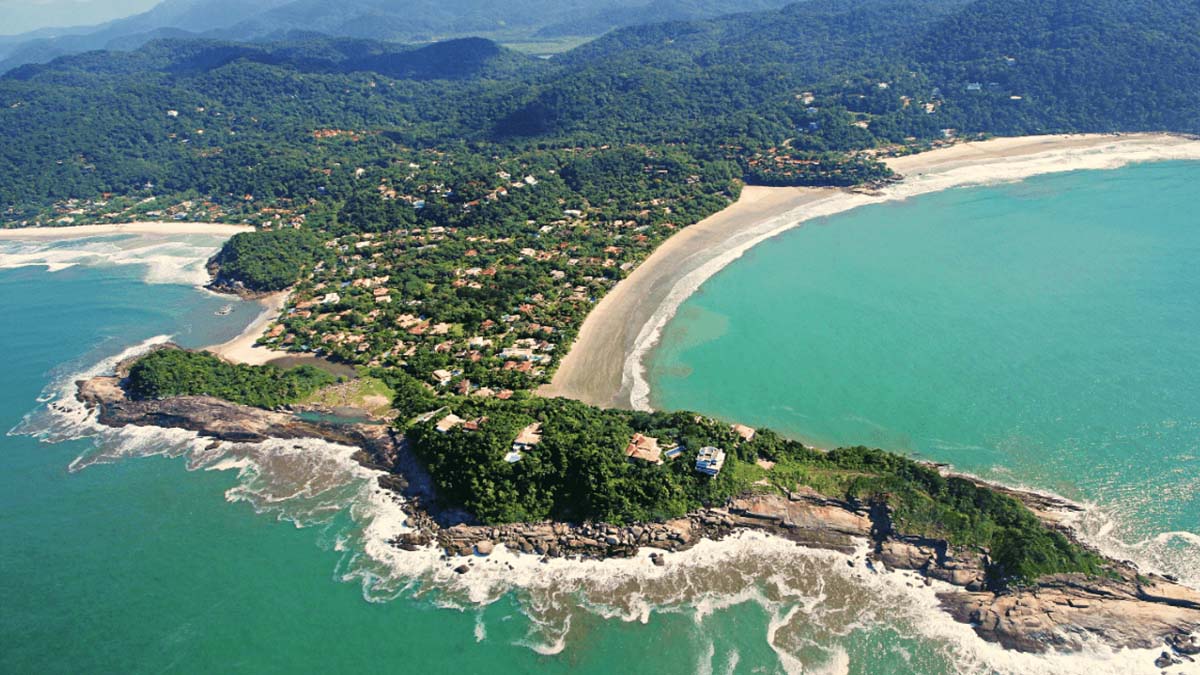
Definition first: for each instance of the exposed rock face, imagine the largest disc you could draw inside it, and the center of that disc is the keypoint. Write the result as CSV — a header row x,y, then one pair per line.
x,y
1062,609
809,521
225,421
1129,610
1126,611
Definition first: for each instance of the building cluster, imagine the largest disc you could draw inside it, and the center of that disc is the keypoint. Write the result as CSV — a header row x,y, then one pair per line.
x,y
484,310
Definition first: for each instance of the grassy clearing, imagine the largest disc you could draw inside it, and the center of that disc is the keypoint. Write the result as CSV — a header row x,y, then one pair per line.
x,y
365,393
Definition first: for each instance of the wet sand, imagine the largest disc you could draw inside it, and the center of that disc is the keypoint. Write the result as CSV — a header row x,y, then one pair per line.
x,y
604,366
592,371
242,349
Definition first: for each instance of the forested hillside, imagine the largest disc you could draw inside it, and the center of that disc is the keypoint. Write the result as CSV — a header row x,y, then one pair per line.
x,y
985,66
790,95
537,23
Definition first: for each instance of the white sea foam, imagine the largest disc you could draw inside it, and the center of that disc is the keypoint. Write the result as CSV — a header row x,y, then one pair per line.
x,y
480,626
166,259
813,599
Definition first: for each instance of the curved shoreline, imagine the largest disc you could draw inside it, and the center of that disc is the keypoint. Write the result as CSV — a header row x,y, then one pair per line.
x,y
244,348
605,366
146,228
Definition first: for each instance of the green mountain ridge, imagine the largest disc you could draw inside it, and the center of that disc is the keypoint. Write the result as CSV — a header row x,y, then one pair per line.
x,y
776,91
388,20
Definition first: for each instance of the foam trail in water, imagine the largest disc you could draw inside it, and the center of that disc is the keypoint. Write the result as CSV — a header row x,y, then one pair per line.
x,y
815,602
167,259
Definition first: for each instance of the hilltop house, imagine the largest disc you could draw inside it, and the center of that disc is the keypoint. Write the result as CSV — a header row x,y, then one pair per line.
x,y
529,437
744,431
710,461
448,422
644,448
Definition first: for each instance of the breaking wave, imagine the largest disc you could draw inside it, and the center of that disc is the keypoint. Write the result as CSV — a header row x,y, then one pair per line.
x,y
167,260
818,612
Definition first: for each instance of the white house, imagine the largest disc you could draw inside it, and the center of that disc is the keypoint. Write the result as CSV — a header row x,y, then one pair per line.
x,y
710,461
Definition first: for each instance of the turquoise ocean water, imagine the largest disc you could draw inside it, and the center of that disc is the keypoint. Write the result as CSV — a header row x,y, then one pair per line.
x,y
143,551
139,551
1044,333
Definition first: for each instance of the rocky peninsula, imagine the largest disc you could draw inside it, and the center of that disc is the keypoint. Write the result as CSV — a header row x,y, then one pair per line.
x,y
1127,608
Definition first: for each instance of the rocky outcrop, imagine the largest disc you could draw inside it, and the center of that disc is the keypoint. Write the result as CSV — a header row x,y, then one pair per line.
x,y
223,283
225,421
1127,609
1124,610
1060,612
809,520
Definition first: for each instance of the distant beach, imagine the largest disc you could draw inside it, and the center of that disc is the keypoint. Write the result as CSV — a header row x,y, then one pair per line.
x,y
604,367
241,349
154,228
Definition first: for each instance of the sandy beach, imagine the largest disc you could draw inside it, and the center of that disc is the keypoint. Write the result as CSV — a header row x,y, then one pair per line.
x,y
153,228
604,367
242,349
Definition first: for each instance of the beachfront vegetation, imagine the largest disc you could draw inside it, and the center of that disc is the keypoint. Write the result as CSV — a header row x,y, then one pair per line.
x,y
268,260
168,373
447,216
579,472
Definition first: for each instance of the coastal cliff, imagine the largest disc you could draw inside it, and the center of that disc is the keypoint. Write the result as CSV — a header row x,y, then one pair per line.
x,y
1122,609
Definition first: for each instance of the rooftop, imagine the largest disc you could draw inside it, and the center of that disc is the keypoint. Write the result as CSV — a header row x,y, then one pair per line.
x,y
710,461
644,448
529,436
449,422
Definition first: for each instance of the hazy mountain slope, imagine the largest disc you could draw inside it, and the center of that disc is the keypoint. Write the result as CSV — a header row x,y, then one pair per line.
x,y
1001,66
395,20
465,58
168,19
1099,65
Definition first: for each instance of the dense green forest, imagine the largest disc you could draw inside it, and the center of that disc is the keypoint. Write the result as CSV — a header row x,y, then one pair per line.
x,y
168,373
579,472
269,260
879,72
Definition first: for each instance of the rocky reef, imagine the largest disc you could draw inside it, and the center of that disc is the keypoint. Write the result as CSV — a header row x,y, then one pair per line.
x,y
1125,609
224,421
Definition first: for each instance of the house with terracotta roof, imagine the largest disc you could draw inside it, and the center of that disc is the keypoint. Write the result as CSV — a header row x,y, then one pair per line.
x,y
448,423
644,448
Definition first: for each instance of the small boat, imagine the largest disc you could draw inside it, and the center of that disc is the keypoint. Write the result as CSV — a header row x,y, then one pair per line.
x,y
225,311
